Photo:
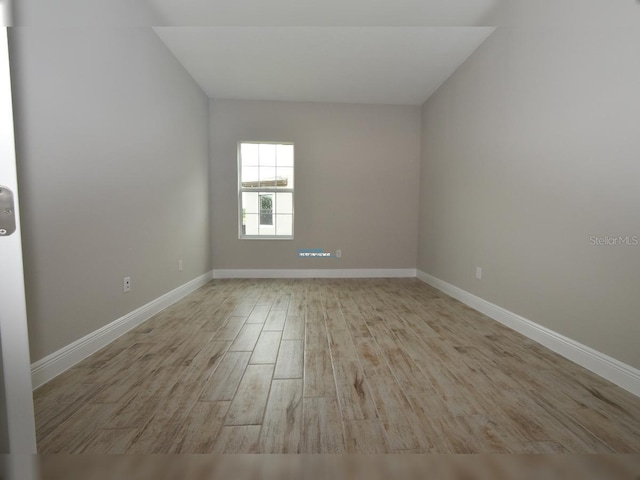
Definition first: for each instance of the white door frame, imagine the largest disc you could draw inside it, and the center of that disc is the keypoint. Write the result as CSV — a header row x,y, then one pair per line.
x,y
13,312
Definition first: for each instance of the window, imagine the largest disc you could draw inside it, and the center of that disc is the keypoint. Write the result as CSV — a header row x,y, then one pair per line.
x,y
265,190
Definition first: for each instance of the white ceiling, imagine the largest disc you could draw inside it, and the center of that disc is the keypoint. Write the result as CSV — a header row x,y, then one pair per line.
x,y
380,65
331,13
350,51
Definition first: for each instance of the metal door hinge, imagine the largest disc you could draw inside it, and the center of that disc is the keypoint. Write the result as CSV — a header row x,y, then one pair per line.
x,y
7,212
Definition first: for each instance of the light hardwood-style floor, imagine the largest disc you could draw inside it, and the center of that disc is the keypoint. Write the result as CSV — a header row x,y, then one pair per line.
x,y
330,366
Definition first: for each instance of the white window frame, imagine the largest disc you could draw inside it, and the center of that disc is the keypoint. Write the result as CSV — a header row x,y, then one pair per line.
x,y
261,190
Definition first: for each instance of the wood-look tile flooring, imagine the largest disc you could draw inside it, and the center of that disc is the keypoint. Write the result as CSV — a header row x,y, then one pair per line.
x,y
330,366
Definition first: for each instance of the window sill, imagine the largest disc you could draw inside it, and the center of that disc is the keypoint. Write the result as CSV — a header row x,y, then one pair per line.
x,y
264,237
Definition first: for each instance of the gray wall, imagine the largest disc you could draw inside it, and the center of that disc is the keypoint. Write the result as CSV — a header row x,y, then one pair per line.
x,y
112,147
356,183
528,150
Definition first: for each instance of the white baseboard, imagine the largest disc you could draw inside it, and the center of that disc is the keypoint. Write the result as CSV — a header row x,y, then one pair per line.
x,y
317,273
53,365
615,371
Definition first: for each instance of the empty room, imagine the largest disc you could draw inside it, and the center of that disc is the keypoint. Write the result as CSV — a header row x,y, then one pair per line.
x,y
335,227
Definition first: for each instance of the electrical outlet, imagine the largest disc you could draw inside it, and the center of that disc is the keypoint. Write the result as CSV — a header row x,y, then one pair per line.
x,y
127,284
179,265
479,273
338,253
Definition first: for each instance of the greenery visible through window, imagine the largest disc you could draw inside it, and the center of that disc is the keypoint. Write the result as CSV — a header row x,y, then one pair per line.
x,y
265,190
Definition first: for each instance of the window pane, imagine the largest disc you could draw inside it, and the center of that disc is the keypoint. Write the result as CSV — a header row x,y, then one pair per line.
x,y
267,154
284,203
249,153
267,176
267,230
251,224
285,177
250,176
266,209
284,224
250,202
285,155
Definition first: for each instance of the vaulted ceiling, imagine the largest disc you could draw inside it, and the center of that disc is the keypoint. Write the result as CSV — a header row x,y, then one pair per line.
x,y
350,51
383,65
